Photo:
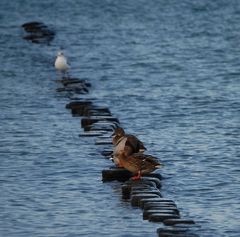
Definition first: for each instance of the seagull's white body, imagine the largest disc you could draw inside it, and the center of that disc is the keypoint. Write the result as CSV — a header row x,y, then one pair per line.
x,y
61,62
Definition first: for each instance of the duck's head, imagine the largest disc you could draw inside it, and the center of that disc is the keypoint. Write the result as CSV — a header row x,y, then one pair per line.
x,y
119,132
117,135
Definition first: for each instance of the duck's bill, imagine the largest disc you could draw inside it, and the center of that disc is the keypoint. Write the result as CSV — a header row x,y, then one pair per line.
x,y
160,166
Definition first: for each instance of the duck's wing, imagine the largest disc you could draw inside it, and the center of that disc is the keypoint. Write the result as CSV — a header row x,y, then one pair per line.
x,y
135,143
141,146
146,160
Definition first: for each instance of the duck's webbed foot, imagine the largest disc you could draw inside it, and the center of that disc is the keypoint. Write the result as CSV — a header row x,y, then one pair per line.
x,y
138,176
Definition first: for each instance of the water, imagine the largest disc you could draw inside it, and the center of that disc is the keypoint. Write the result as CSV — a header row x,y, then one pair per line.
x,y
169,70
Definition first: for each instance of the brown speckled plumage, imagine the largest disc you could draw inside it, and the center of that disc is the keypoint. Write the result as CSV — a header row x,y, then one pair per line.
x,y
139,163
126,144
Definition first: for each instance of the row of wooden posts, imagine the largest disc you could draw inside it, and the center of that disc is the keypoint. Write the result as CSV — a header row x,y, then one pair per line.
x,y
99,122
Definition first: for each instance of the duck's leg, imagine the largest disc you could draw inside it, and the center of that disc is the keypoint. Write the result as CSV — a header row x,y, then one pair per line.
x,y
138,176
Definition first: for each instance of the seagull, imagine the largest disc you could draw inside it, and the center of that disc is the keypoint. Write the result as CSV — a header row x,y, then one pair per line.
x,y
61,63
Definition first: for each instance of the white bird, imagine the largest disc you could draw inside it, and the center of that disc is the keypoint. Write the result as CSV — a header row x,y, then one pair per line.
x,y
61,62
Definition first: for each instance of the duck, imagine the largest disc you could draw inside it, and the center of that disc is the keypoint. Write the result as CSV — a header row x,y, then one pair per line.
x,y
126,143
61,62
139,163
